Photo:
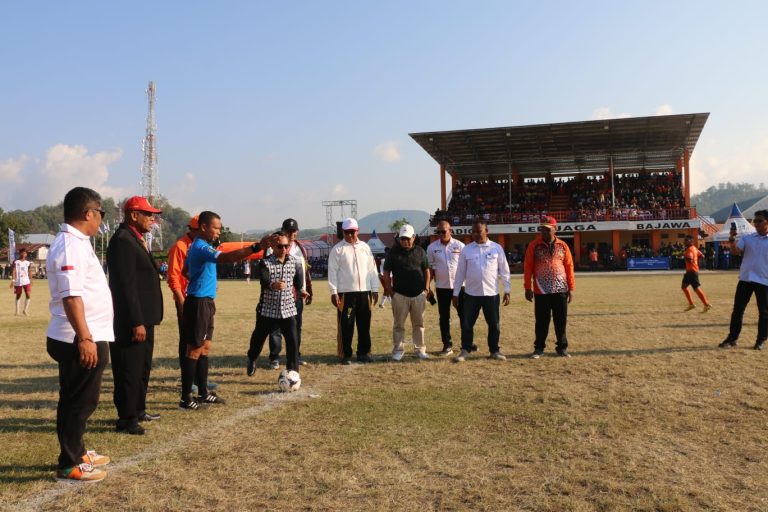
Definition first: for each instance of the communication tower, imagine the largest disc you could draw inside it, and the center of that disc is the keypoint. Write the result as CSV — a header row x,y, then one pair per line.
x,y
149,179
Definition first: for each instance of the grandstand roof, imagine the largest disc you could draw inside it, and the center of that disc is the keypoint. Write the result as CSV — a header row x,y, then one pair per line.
x,y
655,142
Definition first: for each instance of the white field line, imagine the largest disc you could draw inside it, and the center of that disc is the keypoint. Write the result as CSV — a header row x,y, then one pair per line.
x,y
271,402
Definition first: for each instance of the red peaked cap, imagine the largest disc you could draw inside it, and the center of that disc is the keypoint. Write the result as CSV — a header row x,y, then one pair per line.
x,y
549,222
138,203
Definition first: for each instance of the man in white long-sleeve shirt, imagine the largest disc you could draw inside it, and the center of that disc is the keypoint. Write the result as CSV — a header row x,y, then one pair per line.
x,y
481,264
354,284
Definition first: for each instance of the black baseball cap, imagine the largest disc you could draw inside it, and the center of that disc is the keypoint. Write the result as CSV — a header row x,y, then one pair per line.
x,y
290,225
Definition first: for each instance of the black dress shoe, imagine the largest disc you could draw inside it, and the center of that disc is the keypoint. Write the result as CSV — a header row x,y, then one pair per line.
x,y
365,358
134,430
251,368
148,417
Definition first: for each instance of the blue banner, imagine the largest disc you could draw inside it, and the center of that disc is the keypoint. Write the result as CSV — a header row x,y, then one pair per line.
x,y
658,263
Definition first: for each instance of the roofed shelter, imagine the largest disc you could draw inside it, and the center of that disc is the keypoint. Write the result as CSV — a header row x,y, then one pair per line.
x,y
517,155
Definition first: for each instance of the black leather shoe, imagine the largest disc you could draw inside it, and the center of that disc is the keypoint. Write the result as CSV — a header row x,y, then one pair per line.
x,y
251,367
728,343
134,430
366,358
760,345
148,417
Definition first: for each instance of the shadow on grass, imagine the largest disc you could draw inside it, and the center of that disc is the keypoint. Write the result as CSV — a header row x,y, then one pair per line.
x,y
48,425
24,385
28,404
17,474
36,366
640,351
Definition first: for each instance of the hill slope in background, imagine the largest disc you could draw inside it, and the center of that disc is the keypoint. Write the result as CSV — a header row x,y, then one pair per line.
x,y
725,194
380,221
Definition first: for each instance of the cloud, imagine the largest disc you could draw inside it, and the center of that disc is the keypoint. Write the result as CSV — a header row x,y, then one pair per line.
x,y
339,191
10,170
66,167
388,151
601,113
745,163
664,110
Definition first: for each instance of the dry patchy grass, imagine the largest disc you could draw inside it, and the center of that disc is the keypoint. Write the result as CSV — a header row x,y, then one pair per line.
x,y
647,415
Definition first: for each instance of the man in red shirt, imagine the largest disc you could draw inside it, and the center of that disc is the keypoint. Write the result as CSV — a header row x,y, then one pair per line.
x,y
691,277
548,276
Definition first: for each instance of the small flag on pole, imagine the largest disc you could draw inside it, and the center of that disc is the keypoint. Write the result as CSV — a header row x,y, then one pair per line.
x,y
11,245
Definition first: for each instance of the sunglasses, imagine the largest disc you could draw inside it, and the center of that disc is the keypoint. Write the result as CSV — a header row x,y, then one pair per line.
x,y
405,239
283,246
441,231
102,211
146,214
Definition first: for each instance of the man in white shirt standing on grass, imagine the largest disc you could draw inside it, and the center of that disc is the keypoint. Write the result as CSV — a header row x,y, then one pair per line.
x,y
354,284
443,255
80,331
481,264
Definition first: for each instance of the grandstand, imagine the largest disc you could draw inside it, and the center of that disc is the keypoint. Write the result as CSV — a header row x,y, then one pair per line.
x,y
611,184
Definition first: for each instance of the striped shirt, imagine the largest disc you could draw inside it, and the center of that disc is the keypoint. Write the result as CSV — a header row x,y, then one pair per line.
x,y
278,303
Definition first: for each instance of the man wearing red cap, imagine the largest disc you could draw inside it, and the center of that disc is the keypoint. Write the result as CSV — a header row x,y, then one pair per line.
x,y
549,278
135,284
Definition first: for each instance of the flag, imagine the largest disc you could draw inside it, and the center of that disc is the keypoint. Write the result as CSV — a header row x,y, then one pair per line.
x,y
11,245
104,228
149,241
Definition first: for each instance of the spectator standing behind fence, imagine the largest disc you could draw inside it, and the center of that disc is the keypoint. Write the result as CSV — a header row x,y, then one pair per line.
x,y
443,256
691,276
753,279
407,264
481,264
79,331
354,287
549,279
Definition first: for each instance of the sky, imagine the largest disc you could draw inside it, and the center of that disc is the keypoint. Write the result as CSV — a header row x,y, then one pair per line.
x,y
266,109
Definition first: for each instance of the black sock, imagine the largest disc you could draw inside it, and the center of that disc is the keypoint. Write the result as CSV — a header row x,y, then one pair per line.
x,y
188,370
202,376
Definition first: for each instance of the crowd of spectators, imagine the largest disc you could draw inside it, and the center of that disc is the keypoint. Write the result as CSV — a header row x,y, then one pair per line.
x,y
632,196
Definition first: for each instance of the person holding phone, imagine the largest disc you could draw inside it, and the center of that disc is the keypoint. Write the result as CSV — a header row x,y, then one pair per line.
x,y
753,279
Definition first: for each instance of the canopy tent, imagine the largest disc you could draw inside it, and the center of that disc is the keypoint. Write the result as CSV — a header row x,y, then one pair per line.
x,y
743,227
376,245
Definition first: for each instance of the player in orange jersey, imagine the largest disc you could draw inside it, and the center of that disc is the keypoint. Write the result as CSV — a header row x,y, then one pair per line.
x,y
691,277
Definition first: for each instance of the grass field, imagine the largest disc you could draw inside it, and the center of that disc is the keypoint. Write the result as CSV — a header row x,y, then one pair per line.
x,y
647,415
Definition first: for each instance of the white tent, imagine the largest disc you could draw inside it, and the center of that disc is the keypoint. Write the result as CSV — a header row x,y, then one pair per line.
x,y
742,226
376,245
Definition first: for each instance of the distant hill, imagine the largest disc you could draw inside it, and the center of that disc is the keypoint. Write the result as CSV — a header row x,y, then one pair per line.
x,y
380,221
724,195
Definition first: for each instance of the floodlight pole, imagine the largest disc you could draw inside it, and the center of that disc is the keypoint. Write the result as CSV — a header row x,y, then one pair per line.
x,y
329,217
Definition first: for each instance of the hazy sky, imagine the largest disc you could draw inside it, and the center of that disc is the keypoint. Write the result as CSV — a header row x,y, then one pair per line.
x,y
265,109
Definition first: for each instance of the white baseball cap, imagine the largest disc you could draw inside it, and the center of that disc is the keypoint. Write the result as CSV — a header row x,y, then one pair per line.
x,y
349,223
407,231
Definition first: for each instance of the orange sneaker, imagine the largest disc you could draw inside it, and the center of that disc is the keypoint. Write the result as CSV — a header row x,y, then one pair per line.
x,y
96,460
81,473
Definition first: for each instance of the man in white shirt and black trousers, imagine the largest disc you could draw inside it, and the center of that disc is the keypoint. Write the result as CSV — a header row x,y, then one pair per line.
x,y
354,285
443,256
79,332
481,264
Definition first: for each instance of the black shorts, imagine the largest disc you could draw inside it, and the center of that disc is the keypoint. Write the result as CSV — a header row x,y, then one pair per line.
x,y
691,279
197,320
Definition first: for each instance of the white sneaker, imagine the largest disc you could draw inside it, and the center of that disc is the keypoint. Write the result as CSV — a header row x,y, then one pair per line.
x,y
422,355
498,356
397,356
463,355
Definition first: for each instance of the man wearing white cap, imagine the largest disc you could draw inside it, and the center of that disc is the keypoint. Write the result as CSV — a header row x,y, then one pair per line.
x,y
407,263
354,284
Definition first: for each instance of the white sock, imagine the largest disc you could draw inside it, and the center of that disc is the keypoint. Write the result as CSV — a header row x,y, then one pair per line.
x,y
18,302
26,304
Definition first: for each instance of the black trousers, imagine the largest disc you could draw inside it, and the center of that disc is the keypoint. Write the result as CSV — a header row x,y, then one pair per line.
x,y
356,312
78,397
276,336
744,291
265,326
131,366
552,306
490,307
444,301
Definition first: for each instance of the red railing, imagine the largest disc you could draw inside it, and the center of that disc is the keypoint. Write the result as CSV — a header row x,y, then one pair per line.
x,y
619,214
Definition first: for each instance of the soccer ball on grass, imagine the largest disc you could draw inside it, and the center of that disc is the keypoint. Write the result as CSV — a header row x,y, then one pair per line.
x,y
289,380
